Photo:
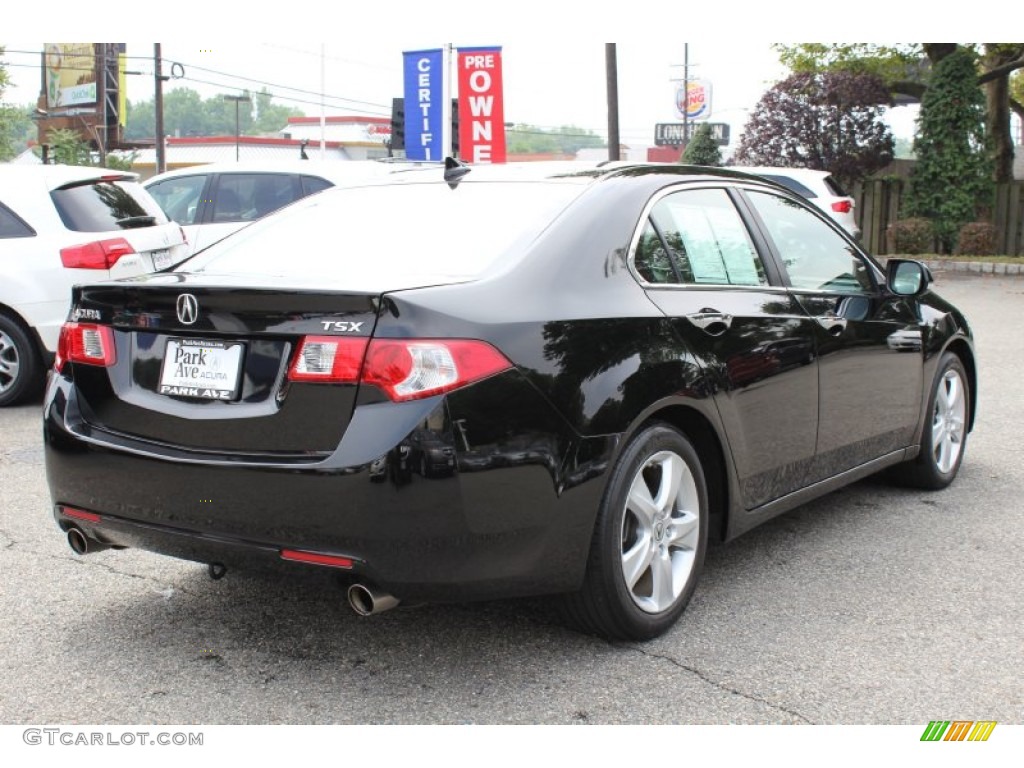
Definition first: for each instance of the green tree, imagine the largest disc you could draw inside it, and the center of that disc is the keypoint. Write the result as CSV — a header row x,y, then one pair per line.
x,y
828,121
186,113
270,118
952,179
907,70
15,123
567,139
702,149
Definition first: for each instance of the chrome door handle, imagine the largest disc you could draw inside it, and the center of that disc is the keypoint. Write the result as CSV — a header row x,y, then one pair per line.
x,y
834,324
711,321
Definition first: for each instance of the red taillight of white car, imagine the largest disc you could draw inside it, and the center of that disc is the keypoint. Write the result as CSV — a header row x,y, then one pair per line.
x,y
101,254
405,369
85,343
842,206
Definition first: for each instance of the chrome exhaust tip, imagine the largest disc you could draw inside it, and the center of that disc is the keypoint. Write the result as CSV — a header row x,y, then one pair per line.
x,y
367,601
82,544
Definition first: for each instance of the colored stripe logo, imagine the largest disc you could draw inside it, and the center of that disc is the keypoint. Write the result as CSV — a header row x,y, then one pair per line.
x,y
958,730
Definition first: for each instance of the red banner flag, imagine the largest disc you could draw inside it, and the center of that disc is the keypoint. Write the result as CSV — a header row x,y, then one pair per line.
x,y
481,111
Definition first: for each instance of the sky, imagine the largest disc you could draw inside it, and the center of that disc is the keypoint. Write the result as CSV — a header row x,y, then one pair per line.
x,y
544,86
553,57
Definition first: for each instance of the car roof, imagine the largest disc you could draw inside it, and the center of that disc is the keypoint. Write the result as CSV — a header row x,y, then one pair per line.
x,y
56,176
578,171
796,173
329,169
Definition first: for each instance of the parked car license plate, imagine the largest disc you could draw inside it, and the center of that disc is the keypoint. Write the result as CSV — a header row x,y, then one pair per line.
x,y
162,259
201,368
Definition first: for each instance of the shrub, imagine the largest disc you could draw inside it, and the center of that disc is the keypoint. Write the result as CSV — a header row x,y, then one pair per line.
x,y
977,239
911,236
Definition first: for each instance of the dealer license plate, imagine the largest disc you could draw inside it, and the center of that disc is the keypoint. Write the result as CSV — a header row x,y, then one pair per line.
x,y
162,259
206,369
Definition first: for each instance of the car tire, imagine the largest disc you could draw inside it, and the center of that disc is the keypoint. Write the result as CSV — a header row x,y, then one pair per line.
x,y
21,370
944,438
648,546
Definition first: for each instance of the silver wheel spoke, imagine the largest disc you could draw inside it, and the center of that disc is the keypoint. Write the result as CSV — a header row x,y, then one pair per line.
x,y
637,560
641,503
663,590
685,532
672,468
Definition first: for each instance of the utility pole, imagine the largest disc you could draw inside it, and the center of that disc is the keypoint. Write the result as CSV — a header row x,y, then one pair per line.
x,y
611,69
686,98
158,106
239,100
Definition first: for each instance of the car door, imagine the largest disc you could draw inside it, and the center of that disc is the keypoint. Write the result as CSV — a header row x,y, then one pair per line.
x,y
238,199
699,264
868,341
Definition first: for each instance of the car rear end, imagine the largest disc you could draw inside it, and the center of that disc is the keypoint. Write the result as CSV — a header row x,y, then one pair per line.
x,y
261,410
97,224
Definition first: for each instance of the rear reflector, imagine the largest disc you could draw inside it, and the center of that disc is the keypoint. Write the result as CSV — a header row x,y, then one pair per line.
x,y
79,514
101,254
406,369
85,343
316,558
842,206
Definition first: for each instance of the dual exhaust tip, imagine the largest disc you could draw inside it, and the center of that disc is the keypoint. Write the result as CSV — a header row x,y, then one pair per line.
x,y
82,544
367,600
364,599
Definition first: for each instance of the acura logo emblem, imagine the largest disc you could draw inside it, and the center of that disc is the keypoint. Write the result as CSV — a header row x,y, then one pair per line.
x,y
188,309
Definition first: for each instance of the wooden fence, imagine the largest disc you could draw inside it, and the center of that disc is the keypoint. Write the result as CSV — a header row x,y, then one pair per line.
x,y
878,205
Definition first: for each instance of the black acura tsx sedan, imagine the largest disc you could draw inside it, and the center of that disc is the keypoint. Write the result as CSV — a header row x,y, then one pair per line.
x,y
463,383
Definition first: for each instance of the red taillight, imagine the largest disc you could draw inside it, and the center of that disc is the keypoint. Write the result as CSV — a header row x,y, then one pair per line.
x,y
85,343
406,369
101,254
842,206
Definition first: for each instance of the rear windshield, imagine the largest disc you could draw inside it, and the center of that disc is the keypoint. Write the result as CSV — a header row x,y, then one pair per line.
x,y
106,206
400,231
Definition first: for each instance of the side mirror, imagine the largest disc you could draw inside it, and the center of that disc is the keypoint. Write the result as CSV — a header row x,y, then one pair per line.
x,y
904,277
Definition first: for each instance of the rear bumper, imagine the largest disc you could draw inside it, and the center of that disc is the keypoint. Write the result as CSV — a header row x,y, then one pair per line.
x,y
513,530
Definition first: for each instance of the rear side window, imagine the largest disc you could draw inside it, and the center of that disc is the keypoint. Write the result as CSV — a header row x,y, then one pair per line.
x,y
106,206
11,225
179,197
311,184
834,188
697,237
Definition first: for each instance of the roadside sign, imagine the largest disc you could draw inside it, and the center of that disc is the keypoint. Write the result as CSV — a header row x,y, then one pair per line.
x,y
671,134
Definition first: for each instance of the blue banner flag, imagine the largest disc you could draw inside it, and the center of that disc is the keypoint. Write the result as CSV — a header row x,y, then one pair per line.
x,y
424,101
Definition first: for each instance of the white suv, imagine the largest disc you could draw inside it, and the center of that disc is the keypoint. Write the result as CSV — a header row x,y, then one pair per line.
x,y
819,187
61,225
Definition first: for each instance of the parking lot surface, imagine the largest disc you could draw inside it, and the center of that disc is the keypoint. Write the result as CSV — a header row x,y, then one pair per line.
x,y
873,605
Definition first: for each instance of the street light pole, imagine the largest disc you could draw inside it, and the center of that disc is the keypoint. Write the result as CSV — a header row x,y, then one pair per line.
x,y
238,100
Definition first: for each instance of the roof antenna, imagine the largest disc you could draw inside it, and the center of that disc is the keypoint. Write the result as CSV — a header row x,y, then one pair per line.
x,y
454,170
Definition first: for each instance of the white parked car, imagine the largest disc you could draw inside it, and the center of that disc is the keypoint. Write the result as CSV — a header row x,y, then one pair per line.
x,y
820,187
211,201
61,225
